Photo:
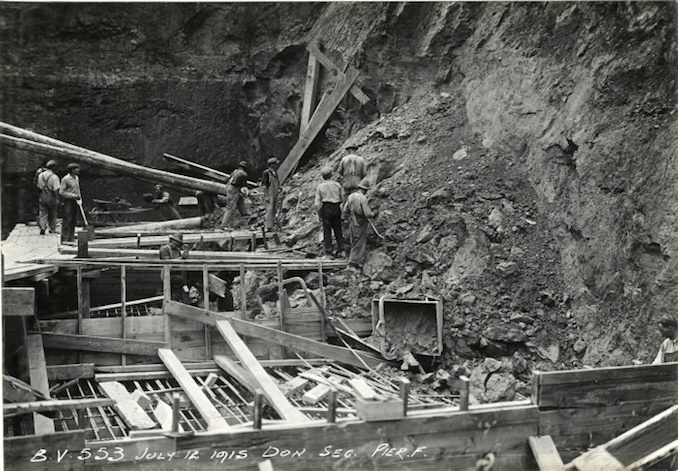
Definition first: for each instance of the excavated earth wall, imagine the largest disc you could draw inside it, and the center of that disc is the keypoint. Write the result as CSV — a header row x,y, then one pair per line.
x,y
525,154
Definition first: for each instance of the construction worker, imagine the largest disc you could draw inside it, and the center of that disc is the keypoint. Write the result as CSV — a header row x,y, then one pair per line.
x,y
235,193
353,170
70,194
271,184
165,204
49,185
358,211
178,278
668,351
329,195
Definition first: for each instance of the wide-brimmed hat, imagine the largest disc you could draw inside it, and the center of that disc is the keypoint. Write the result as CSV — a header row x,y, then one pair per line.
x,y
50,164
273,161
70,167
178,237
242,164
364,184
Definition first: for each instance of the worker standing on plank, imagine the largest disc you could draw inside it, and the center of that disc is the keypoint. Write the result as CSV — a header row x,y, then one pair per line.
x,y
178,278
358,211
165,204
329,195
49,185
70,193
271,184
668,351
235,193
353,169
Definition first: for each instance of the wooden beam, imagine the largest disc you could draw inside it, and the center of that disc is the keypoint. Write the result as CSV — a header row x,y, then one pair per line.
x,y
236,372
130,411
15,390
302,344
101,344
18,302
35,142
315,125
194,255
317,394
310,90
53,405
217,175
329,65
274,396
212,416
157,240
165,416
545,453
37,370
65,372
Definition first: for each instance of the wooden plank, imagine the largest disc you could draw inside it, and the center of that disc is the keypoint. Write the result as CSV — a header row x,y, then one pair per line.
x,y
37,370
18,302
15,390
369,411
25,453
274,396
238,373
580,429
310,90
127,407
331,66
292,386
212,416
163,413
101,344
203,169
666,371
545,453
459,438
53,405
362,389
316,394
66,372
317,122
217,285
302,344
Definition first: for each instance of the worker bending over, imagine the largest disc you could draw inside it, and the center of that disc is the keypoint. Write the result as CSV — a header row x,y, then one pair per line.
x,y
271,184
165,204
49,185
668,351
329,196
70,193
358,212
235,193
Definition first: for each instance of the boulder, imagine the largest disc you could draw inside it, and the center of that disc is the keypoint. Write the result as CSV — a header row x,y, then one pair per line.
x,y
378,266
507,335
490,383
495,218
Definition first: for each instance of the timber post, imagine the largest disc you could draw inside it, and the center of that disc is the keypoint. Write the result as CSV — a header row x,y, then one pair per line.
x,y
464,393
83,244
258,406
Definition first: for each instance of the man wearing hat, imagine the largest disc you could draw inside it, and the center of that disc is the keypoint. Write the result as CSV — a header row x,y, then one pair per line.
x,y
70,193
178,278
271,184
668,351
49,185
165,204
235,192
358,211
328,198
353,169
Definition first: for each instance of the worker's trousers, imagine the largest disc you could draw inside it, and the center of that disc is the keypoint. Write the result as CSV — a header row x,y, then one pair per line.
x,y
47,206
358,242
271,209
235,201
330,215
70,218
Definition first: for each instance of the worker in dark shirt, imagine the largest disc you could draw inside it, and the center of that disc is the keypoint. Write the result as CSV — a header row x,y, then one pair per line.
x,y
271,184
235,193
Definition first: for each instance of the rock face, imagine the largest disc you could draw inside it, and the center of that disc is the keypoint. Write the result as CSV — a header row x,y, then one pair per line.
x,y
517,148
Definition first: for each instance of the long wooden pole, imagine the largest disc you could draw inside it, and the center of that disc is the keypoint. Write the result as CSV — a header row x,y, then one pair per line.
x,y
27,140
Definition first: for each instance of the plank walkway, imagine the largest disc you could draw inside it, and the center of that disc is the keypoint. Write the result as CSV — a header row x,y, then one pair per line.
x,y
25,243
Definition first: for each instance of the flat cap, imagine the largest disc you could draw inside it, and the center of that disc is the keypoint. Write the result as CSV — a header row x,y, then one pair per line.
x,y
70,167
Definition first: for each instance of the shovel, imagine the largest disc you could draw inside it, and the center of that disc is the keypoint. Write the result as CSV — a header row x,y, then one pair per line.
x,y
82,212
